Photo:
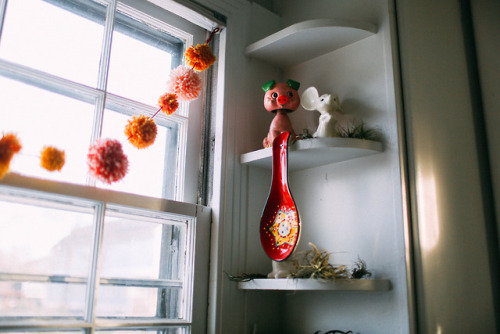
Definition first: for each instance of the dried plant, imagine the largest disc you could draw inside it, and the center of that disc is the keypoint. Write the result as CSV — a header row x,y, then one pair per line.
x,y
244,277
315,264
305,134
359,270
358,131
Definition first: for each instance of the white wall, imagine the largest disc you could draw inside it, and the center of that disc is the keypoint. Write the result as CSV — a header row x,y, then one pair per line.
x,y
454,278
352,208
357,204
485,14
239,115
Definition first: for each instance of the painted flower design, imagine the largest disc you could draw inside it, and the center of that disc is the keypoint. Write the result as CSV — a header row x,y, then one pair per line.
x,y
285,227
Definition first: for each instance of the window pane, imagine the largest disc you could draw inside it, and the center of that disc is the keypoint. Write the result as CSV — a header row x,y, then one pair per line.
x,y
141,59
51,250
141,249
46,37
33,299
120,301
75,331
142,267
162,330
41,118
40,239
147,166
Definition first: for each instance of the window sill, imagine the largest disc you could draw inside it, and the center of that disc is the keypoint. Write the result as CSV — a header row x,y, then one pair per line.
x,y
97,194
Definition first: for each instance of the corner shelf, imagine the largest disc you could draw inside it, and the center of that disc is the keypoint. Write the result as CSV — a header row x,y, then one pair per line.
x,y
290,284
307,40
308,153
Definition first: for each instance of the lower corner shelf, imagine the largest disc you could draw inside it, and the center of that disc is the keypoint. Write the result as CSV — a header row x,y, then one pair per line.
x,y
301,284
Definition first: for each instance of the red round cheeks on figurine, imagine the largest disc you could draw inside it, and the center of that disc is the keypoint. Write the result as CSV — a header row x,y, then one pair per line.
x,y
281,96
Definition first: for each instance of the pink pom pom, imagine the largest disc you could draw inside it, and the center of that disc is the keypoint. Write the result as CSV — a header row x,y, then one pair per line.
x,y
106,160
184,82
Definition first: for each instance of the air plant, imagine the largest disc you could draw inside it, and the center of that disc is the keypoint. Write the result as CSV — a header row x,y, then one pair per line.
x,y
305,134
315,264
358,131
244,277
359,270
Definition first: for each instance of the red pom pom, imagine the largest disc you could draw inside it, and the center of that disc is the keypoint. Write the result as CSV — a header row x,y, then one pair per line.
x,y
184,82
106,160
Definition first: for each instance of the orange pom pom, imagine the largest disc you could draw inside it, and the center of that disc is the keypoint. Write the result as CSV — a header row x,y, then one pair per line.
x,y
200,57
52,159
9,145
168,103
141,131
4,168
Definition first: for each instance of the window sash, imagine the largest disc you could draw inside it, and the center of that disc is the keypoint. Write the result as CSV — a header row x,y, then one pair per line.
x,y
200,216
195,216
120,17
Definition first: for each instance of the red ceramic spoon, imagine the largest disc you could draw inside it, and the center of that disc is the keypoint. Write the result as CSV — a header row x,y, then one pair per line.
x,y
280,222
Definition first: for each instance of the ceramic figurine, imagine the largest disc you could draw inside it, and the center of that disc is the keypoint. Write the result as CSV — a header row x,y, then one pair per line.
x,y
281,98
283,269
328,106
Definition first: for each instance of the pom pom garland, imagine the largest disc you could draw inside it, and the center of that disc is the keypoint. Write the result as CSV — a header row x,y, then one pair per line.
x,y
52,159
168,103
106,160
200,57
4,168
141,131
185,83
9,145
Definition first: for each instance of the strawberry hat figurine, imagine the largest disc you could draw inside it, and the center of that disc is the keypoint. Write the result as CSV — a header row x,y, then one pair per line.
x,y
281,98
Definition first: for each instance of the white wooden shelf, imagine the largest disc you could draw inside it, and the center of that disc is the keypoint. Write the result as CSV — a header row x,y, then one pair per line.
x,y
307,40
290,284
308,153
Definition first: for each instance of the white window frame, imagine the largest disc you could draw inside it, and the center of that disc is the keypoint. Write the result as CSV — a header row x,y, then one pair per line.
x,y
189,115
199,216
196,282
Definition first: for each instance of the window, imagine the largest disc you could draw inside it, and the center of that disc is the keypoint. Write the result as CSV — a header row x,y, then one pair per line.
x,y
79,72
89,264
76,254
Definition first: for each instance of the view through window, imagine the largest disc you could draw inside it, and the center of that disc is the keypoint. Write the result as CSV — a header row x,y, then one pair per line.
x,y
65,84
74,258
